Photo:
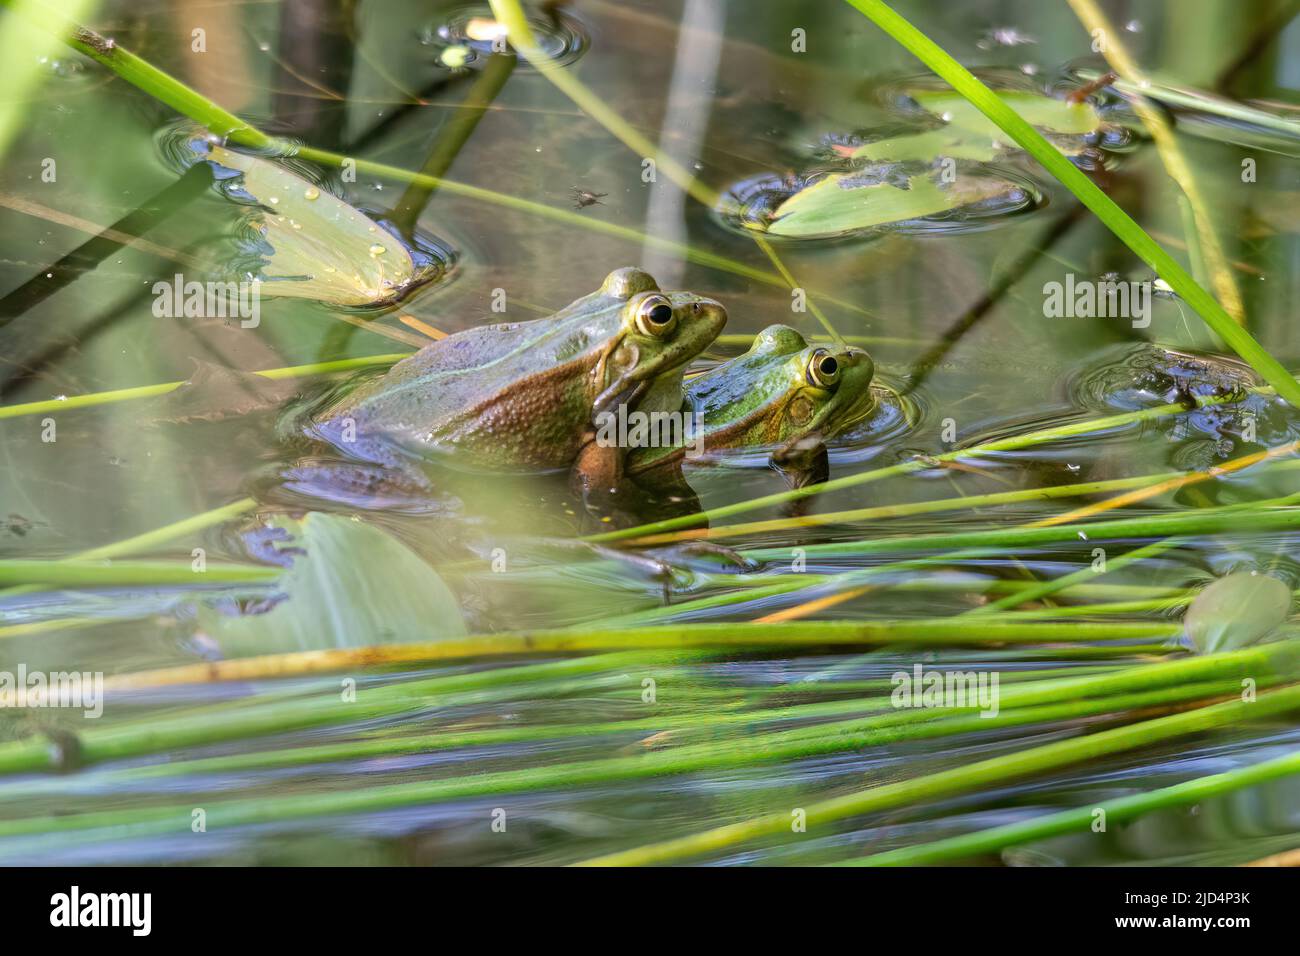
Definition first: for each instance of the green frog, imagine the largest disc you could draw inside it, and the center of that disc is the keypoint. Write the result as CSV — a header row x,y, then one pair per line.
x,y
780,393
783,394
522,396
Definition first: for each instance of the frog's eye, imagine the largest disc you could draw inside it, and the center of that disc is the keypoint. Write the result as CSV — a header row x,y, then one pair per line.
x,y
823,369
655,316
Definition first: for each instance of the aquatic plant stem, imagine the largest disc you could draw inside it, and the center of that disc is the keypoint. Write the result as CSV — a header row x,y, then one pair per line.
x,y
1044,588
1012,443
965,778
1082,819
1171,484
152,391
804,634
958,503
72,573
1154,689
1176,165
1115,219
1206,521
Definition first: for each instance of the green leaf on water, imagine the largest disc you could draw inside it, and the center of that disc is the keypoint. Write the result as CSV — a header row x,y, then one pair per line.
x,y
354,585
1044,113
1236,611
969,134
837,204
927,146
316,245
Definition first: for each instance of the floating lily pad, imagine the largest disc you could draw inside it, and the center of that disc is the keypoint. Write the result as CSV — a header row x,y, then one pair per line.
x,y
1236,611
1045,113
968,134
927,146
863,199
349,585
312,244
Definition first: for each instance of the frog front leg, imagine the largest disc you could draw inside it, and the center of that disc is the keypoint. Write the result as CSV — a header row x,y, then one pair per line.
x,y
802,462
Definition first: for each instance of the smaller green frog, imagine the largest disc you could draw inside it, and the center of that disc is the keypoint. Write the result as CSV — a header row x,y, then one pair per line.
x,y
783,394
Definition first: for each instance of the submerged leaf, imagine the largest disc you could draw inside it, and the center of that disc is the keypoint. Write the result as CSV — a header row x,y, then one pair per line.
x,y
1236,611
349,585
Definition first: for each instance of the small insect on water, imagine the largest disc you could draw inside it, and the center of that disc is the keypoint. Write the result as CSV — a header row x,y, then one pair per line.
x,y
583,198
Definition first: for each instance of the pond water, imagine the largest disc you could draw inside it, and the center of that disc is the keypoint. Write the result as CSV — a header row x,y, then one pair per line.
x,y
952,303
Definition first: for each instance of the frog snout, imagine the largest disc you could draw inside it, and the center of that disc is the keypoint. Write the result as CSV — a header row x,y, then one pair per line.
x,y
856,358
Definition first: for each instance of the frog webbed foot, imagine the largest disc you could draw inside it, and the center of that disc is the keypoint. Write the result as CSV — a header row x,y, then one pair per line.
x,y
359,485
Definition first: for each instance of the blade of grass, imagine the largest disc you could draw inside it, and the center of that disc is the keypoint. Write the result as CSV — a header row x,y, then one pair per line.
x,y
1204,237
151,391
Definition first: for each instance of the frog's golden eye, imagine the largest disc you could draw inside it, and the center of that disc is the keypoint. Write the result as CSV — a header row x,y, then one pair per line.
x,y
823,369
655,316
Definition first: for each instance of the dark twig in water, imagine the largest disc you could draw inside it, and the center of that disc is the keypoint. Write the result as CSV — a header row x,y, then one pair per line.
x,y
452,138
1264,36
926,363
150,213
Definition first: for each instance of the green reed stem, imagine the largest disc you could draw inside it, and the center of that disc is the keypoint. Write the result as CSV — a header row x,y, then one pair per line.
x,y
1155,526
1081,819
71,573
911,508
1011,443
253,718
848,735
1044,588
450,738
964,779
151,391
